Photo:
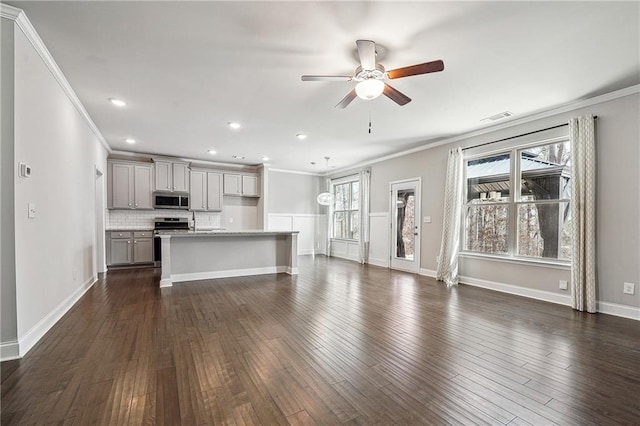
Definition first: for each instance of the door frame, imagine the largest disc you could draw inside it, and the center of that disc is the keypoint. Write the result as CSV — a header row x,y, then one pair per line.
x,y
99,261
418,222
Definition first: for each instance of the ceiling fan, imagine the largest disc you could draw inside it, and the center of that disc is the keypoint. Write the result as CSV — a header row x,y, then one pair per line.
x,y
371,75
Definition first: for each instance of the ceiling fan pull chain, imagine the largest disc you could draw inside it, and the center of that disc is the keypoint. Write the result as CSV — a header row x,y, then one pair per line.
x,y
369,121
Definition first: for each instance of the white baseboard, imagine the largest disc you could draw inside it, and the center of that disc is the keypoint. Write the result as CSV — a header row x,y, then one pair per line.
x,y
379,262
196,276
9,350
608,308
36,333
427,272
346,257
546,296
306,251
624,311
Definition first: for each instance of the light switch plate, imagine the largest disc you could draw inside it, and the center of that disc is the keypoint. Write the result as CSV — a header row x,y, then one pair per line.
x,y
426,219
32,211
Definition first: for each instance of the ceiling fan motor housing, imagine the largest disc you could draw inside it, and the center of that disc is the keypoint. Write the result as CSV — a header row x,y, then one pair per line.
x,y
378,73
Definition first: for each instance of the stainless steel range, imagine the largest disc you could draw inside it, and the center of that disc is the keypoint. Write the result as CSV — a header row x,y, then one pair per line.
x,y
165,224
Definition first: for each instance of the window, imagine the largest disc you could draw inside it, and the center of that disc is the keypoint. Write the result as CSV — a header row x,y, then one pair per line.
x,y
346,214
532,221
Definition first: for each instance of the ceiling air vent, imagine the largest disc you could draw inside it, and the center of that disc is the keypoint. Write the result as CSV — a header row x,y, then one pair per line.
x,y
497,117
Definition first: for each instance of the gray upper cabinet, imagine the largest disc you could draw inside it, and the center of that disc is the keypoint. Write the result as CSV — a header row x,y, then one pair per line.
x,y
130,185
171,176
206,191
198,193
121,190
143,184
250,186
214,191
245,185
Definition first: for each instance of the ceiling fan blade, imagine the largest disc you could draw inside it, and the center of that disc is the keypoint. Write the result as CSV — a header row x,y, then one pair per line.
x,y
367,54
395,95
326,78
425,68
347,99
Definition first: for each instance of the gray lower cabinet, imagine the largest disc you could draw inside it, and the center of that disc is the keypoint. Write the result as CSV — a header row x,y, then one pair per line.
x,y
129,247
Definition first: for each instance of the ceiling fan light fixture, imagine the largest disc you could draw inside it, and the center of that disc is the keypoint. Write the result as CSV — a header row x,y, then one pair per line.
x,y
370,88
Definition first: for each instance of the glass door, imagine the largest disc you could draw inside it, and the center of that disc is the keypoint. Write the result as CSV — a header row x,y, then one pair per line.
x,y
405,226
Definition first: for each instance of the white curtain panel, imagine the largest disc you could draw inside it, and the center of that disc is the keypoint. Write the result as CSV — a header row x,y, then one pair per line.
x,y
583,199
447,267
365,191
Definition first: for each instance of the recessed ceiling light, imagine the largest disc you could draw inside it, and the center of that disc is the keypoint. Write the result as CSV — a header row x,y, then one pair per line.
x,y
238,157
301,136
212,152
265,158
117,102
130,140
234,125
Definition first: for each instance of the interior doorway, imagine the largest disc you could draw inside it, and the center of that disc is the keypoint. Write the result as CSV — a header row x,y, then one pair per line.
x,y
405,225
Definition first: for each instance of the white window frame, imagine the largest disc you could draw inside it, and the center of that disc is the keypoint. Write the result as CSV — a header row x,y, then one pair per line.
x,y
514,202
341,181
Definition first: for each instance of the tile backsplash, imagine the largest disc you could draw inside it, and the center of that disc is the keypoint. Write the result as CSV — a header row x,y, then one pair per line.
x,y
143,219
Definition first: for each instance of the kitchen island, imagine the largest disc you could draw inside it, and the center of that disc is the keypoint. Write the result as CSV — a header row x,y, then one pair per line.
x,y
201,255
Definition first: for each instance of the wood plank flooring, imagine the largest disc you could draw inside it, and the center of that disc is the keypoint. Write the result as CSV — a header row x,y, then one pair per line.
x,y
341,343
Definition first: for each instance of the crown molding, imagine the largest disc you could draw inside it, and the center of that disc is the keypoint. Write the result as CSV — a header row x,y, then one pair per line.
x,y
20,18
296,172
517,121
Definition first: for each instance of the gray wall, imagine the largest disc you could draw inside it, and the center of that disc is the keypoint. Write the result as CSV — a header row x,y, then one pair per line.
x,y
54,251
618,212
8,324
293,193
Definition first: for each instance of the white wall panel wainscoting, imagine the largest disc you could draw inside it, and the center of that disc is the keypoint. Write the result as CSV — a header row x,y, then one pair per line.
x,y
379,239
345,249
312,227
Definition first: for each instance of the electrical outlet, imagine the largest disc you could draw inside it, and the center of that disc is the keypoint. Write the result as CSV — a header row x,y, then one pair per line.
x,y
629,288
563,285
75,274
426,219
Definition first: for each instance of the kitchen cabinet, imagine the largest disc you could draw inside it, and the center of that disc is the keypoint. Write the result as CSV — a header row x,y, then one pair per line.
x,y
143,247
206,191
244,185
171,176
129,247
130,185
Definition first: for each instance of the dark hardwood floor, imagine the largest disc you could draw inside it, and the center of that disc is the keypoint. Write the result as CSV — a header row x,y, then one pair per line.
x,y
340,343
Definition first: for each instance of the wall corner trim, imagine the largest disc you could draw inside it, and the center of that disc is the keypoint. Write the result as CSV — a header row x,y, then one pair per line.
x,y
36,333
30,32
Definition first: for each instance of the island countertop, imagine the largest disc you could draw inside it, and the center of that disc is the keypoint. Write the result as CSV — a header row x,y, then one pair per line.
x,y
221,232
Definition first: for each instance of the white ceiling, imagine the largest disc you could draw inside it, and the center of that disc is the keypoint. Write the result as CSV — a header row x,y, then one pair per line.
x,y
188,68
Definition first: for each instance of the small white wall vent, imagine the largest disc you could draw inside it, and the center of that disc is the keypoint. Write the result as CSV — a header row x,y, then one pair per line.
x,y
497,117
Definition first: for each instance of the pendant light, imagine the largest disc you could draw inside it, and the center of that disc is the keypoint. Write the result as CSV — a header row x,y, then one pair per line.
x,y
326,198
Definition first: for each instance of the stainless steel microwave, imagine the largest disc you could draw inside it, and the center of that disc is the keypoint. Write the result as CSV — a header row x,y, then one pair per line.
x,y
170,201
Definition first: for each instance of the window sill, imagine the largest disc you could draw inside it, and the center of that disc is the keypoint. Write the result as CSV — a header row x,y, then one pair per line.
x,y
347,240
519,260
